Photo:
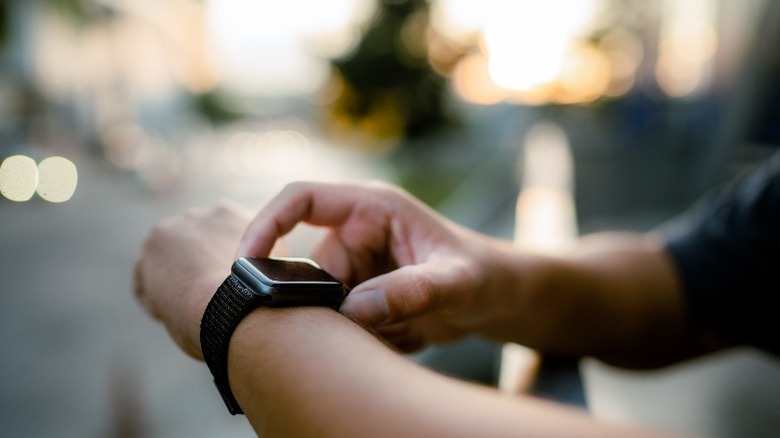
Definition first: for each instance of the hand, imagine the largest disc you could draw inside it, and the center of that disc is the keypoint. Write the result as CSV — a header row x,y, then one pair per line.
x,y
182,263
416,277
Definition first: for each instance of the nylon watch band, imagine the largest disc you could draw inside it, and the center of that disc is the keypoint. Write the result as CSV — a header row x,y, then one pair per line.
x,y
227,308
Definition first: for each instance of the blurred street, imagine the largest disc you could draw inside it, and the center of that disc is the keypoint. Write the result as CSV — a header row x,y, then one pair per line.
x,y
79,357
534,122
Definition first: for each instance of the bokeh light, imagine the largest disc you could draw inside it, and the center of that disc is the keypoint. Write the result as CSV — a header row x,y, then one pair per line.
x,y
472,82
57,179
570,51
281,152
125,145
527,41
687,44
584,76
546,218
624,53
18,178
54,179
461,21
533,51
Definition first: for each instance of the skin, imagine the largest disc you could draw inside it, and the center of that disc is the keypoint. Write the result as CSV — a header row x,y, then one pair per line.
x,y
416,279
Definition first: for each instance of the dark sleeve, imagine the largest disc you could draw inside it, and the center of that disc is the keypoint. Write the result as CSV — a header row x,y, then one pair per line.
x,y
727,251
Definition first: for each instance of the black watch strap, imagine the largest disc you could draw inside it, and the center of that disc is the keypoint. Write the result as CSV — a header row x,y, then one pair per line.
x,y
227,308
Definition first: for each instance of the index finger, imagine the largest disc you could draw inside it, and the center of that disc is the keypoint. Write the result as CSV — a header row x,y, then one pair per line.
x,y
319,204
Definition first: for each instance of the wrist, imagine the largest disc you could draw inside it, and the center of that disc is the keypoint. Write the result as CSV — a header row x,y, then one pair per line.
x,y
258,282
514,281
205,286
272,344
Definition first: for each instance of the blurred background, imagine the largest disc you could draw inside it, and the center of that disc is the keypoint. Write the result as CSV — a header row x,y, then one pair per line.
x,y
532,121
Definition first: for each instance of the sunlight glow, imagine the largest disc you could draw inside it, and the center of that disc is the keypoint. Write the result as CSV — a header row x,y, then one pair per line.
x,y
471,81
267,47
534,52
584,76
527,41
461,21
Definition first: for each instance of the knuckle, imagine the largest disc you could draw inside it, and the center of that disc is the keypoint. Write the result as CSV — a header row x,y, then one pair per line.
x,y
155,233
385,189
419,298
163,227
224,208
295,187
296,192
467,272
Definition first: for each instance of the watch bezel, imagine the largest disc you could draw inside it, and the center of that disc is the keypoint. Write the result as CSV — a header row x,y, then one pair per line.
x,y
289,292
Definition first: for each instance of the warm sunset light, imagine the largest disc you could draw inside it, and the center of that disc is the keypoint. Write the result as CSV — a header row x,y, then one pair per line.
x,y
624,52
687,44
533,51
472,82
584,75
461,20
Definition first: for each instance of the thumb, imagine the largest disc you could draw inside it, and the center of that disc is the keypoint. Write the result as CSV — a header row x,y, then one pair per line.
x,y
401,294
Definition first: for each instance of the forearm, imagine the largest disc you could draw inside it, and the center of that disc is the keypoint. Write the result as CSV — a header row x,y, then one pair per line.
x,y
312,372
615,297
291,371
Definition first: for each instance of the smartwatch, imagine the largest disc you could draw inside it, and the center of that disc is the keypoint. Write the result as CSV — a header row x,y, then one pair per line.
x,y
255,282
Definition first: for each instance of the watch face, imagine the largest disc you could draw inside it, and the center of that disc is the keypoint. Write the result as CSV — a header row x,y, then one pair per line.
x,y
289,271
283,282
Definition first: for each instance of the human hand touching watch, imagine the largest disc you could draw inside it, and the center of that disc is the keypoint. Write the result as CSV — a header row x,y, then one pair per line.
x,y
416,277
419,278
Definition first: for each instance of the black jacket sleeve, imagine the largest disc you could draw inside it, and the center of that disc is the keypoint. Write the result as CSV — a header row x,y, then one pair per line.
x,y
727,252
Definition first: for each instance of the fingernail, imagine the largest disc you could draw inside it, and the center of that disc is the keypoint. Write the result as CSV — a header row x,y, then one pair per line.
x,y
369,306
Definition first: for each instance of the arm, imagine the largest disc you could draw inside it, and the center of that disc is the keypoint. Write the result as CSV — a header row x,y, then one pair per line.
x,y
419,278
616,297
313,372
